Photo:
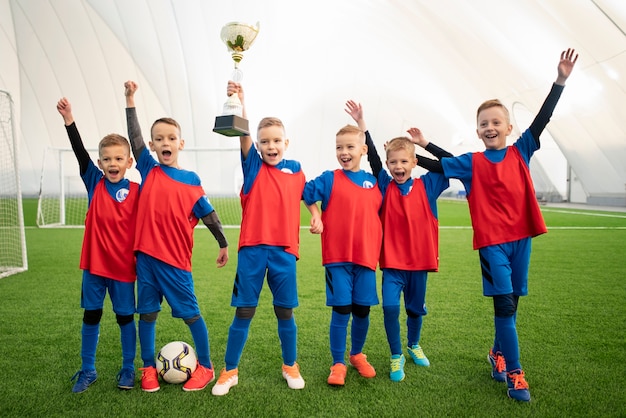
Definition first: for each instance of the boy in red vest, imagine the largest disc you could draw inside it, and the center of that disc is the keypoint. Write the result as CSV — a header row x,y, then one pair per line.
x,y
410,246
268,245
505,216
351,241
111,218
172,201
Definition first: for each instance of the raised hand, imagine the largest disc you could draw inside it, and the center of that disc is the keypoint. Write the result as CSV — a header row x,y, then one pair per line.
x,y
566,65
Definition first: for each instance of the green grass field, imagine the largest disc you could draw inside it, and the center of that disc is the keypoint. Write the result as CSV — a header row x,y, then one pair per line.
x,y
572,330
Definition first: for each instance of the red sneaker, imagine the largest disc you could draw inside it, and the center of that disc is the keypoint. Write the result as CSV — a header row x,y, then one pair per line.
x,y
199,379
149,379
337,375
359,362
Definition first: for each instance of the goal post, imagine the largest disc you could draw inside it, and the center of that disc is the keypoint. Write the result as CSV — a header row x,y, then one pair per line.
x,y
13,255
62,198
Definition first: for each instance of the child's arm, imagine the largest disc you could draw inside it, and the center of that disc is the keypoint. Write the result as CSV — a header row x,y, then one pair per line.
x,y
246,141
355,110
65,109
212,221
317,227
428,163
134,130
564,69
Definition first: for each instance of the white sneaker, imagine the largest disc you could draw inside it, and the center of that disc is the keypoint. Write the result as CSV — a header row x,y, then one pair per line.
x,y
292,375
227,379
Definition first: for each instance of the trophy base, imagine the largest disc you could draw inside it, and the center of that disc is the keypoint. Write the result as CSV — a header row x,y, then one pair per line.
x,y
231,125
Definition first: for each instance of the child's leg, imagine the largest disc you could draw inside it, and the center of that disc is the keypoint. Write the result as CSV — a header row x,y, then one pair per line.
x,y
415,305
237,336
360,327
413,328
147,337
90,333
200,336
128,337
392,328
287,333
339,333
505,307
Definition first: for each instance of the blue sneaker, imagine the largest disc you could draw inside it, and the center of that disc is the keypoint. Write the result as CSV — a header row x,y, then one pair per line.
x,y
85,379
397,368
417,354
517,386
126,379
498,366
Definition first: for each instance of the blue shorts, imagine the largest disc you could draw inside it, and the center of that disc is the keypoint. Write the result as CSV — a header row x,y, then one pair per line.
x,y
94,290
348,284
412,283
505,268
156,279
252,265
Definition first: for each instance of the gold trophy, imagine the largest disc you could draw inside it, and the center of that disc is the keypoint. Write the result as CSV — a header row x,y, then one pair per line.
x,y
238,37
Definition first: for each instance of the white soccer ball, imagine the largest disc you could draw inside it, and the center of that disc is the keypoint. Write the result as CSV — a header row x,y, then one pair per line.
x,y
176,362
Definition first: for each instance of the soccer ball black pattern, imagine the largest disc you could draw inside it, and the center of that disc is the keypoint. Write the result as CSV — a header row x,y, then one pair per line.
x,y
176,362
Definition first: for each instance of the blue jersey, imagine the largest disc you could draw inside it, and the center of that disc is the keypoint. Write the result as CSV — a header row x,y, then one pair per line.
x,y
434,183
92,177
319,189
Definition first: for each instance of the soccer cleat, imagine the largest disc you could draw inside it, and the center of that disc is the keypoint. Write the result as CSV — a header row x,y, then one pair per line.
x,y
498,366
517,386
397,368
227,379
149,379
292,375
85,379
359,362
201,377
417,354
126,379
337,375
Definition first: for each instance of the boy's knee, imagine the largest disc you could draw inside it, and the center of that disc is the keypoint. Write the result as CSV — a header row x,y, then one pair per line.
x,y
360,311
283,313
191,320
343,310
505,306
245,313
124,319
148,317
92,317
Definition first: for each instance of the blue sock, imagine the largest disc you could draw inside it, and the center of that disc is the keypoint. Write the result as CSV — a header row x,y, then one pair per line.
x,y
89,345
338,335
147,336
413,329
237,337
360,326
391,316
128,336
506,334
288,335
200,336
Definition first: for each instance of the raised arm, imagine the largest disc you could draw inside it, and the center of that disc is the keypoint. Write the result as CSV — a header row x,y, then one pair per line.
x,y
64,107
355,110
246,140
429,164
134,130
564,69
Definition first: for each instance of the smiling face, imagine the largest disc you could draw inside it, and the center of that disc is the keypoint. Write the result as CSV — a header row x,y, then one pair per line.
x,y
350,147
401,159
493,124
166,141
271,142
114,157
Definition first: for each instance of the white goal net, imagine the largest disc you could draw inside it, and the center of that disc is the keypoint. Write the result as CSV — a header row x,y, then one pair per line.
x,y
63,197
13,258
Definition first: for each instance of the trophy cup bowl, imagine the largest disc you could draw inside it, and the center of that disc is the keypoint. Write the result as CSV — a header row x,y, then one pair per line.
x,y
238,37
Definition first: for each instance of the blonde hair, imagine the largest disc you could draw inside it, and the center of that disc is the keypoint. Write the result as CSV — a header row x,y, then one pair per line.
x,y
351,130
111,140
168,121
400,143
487,104
270,121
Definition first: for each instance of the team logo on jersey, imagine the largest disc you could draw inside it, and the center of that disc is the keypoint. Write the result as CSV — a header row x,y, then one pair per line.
x,y
368,184
286,170
121,194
